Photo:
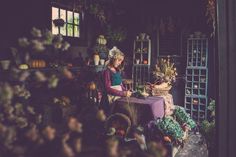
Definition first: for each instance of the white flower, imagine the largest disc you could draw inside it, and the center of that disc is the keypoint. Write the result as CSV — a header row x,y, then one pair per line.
x,y
21,122
24,75
14,51
6,93
65,46
31,109
38,46
48,36
20,91
53,81
40,76
36,32
23,42
57,45
58,38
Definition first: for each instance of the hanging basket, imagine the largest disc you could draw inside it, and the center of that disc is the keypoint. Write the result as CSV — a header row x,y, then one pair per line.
x,y
59,22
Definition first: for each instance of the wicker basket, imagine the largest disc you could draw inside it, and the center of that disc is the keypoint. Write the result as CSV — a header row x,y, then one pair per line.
x,y
151,89
124,120
159,92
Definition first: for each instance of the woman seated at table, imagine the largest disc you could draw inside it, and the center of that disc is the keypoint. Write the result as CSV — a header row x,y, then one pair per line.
x,y
113,88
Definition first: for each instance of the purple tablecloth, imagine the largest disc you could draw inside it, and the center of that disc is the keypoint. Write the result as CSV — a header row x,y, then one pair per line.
x,y
140,111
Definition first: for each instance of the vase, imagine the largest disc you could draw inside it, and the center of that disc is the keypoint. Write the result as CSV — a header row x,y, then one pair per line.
x,y
96,59
5,64
102,61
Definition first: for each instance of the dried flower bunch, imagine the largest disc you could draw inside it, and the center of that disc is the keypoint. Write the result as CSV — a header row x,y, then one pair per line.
x,y
211,14
165,71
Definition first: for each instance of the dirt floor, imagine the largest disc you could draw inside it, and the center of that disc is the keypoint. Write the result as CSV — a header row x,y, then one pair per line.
x,y
194,147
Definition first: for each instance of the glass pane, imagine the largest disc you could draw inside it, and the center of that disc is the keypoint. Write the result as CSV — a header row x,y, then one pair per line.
x,y
69,16
55,13
63,30
63,14
76,18
76,31
54,29
70,30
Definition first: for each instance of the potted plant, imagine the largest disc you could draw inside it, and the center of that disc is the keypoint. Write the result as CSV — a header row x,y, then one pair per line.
x,y
208,129
59,22
164,74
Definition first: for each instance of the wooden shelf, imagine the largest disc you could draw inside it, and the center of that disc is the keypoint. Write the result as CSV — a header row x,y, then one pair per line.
x,y
196,78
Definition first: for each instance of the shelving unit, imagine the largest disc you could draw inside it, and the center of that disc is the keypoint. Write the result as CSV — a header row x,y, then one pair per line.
x,y
140,74
141,60
196,99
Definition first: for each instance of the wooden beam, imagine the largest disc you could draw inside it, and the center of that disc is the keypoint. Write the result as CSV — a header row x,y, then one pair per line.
x,y
226,103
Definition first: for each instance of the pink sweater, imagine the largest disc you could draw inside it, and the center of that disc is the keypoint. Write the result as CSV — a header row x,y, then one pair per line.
x,y
108,84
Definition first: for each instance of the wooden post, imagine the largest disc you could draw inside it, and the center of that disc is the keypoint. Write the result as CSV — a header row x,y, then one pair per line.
x,y
226,102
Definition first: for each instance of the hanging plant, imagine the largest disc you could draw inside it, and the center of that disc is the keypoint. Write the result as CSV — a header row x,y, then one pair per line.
x,y
98,11
93,7
59,22
116,35
211,13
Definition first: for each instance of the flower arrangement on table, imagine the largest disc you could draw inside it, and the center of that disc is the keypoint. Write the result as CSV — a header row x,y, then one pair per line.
x,y
175,124
165,71
164,74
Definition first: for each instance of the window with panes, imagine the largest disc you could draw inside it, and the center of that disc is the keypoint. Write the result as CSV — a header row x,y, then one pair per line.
x,y
71,18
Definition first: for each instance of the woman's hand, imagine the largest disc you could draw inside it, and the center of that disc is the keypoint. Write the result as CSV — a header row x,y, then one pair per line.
x,y
128,93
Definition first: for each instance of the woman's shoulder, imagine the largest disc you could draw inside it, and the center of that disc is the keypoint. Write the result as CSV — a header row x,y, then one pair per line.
x,y
111,70
107,71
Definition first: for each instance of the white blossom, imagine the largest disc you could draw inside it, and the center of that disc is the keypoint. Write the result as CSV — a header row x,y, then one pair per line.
x,y
23,42
36,32
37,45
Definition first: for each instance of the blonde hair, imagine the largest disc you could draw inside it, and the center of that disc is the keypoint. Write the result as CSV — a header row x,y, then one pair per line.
x,y
115,54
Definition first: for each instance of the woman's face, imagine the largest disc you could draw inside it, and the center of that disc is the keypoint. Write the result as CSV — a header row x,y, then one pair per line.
x,y
118,61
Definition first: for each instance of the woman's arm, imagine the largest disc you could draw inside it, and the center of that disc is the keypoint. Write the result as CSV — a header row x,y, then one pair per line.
x,y
107,80
122,86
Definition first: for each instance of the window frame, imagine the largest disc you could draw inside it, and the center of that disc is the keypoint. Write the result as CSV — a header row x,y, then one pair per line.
x,y
73,24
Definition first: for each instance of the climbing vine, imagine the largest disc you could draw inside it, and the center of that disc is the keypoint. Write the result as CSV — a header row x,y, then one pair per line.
x,y
211,14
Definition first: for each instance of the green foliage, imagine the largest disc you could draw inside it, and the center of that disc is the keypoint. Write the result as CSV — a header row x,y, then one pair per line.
x,y
211,108
183,118
116,35
207,127
94,7
171,127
